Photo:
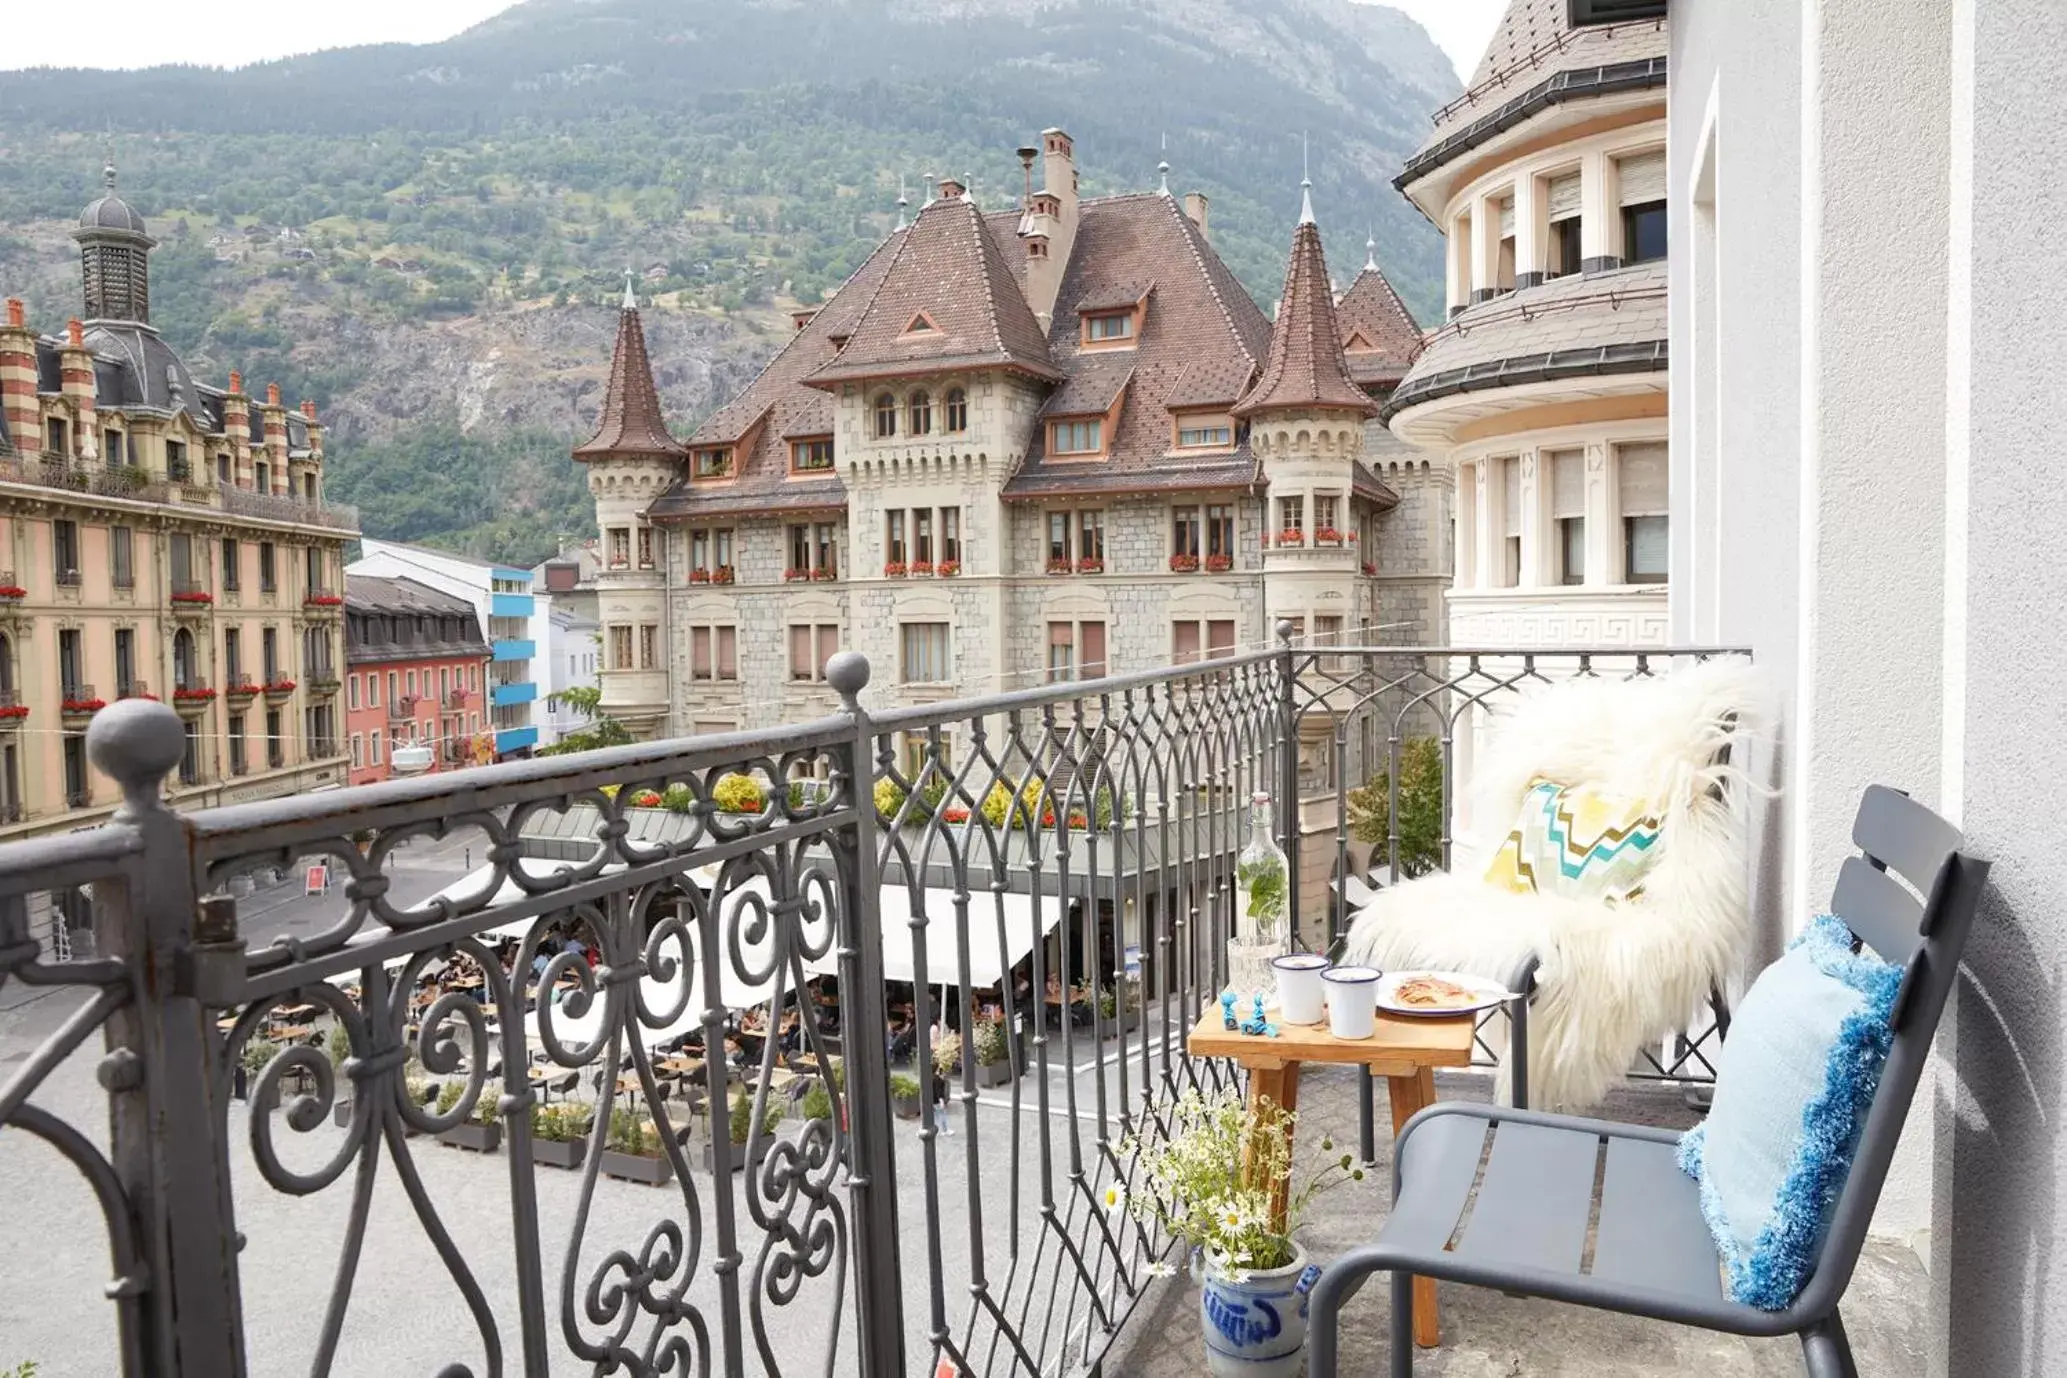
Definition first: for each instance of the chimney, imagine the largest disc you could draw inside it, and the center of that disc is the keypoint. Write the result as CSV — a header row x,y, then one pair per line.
x,y
236,383
951,189
272,394
76,381
1049,226
18,380
308,408
1195,207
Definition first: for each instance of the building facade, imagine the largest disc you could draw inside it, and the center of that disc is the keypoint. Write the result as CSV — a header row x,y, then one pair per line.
x,y
159,537
1544,393
515,620
415,671
1016,446
574,638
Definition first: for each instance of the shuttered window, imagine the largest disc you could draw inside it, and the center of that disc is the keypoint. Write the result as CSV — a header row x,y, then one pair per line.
x,y
1567,483
1563,195
1642,478
1641,177
1511,485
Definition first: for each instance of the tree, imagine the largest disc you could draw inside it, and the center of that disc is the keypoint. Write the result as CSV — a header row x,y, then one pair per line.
x,y
603,730
1421,808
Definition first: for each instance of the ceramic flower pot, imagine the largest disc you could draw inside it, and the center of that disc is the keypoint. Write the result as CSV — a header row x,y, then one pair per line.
x,y
1256,1328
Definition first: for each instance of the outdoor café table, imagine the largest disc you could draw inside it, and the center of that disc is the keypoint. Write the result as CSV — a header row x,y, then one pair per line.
x,y
1404,1051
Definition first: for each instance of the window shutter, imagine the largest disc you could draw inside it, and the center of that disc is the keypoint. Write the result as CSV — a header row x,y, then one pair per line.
x,y
800,666
1642,176
700,652
1220,638
728,653
1506,217
1184,642
1567,483
1564,196
1642,482
828,646
1511,480
1092,635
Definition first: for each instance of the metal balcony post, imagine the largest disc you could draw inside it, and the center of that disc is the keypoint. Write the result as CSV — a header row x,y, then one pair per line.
x,y
164,1094
1287,786
872,1165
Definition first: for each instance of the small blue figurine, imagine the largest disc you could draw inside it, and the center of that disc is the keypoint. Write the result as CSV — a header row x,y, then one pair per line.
x,y
1227,1009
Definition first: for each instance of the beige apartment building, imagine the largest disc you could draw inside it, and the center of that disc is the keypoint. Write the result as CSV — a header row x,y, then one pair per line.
x,y
159,538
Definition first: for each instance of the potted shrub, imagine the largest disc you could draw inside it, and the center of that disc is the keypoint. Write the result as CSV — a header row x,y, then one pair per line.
x,y
1108,1014
904,1096
258,1053
633,1152
993,1057
482,1132
739,1129
560,1133
340,1047
1130,1003
736,793
1209,1183
817,1103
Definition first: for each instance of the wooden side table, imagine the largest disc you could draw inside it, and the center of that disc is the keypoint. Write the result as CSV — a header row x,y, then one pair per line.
x,y
1404,1051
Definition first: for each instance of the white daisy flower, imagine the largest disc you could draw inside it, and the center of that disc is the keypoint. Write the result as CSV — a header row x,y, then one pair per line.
x,y
1115,1198
1159,1269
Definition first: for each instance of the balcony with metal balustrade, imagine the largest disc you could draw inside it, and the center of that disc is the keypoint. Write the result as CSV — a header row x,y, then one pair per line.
x,y
877,854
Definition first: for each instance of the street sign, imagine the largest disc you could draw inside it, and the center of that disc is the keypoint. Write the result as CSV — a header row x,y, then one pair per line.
x,y
318,881
1132,965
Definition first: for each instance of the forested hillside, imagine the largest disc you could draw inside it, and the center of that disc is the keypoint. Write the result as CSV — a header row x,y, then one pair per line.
x,y
428,239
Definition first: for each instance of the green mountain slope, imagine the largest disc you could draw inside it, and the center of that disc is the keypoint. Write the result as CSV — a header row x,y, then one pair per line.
x,y
458,216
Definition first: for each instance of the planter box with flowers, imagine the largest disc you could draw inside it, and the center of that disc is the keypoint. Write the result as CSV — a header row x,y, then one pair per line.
x,y
796,576
948,569
1092,565
192,698
1183,564
560,1133
12,593
1327,535
633,1152
279,688
242,689
320,600
822,575
13,713
1219,564
921,569
894,569
722,575
193,597
699,576
1289,537
82,707
1208,1182
1061,567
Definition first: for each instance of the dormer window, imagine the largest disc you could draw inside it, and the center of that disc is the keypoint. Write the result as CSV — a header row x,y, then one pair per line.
x,y
1205,431
1109,327
714,463
886,416
920,324
811,456
921,413
1085,437
955,412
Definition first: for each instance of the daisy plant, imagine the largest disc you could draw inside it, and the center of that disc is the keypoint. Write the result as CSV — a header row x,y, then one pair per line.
x,y
1210,1181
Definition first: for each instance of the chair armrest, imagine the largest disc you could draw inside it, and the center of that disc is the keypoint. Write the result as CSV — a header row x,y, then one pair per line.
x,y
1502,1114
1523,984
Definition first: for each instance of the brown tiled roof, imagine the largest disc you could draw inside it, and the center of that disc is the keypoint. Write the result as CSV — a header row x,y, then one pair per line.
x,y
631,423
950,268
1534,46
1372,310
1200,343
780,399
1305,367
1365,483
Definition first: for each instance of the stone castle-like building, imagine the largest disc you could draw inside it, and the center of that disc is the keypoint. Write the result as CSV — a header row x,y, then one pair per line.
x,y
160,537
1015,446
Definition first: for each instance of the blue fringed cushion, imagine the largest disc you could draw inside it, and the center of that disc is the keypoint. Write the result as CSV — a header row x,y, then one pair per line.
x,y
1795,1081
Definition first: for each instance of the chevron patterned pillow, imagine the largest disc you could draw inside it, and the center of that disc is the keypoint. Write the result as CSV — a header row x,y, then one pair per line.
x,y
1578,843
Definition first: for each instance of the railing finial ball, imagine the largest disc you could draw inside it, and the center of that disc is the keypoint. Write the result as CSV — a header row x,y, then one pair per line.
x,y
136,742
847,672
1284,631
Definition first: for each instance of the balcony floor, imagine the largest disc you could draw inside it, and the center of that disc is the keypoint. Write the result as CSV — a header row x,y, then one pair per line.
x,y
1488,1334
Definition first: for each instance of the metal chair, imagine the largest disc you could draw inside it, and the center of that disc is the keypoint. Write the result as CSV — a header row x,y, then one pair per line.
x,y
1652,1255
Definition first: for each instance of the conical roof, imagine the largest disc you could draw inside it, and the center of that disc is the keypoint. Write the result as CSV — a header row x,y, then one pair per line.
x,y
1305,367
1379,335
631,423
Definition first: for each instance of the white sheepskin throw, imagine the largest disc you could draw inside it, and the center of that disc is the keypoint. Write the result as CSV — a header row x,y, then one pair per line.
x,y
1613,978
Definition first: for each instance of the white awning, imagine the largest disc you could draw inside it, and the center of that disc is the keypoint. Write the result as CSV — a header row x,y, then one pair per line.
x,y
988,960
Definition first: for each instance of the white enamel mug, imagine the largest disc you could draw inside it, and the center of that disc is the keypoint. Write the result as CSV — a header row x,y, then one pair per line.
x,y
1352,1000
1300,992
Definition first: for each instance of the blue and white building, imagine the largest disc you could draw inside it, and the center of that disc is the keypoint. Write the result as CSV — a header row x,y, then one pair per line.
x,y
514,619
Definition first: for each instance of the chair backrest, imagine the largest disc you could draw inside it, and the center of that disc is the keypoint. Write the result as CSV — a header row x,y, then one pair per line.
x,y
1896,837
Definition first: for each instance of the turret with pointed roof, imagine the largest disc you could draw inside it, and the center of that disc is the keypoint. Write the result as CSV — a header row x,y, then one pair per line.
x,y
1379,334
631,423
1305,367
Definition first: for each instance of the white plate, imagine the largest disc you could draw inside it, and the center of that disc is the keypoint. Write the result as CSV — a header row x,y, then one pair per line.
x,y
1485,994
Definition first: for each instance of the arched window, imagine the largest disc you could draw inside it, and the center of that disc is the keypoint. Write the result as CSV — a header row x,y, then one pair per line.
x,y
921,409
957,407
886,416
183,666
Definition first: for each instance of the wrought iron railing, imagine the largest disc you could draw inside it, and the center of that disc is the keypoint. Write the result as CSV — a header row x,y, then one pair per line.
x,y
1075,839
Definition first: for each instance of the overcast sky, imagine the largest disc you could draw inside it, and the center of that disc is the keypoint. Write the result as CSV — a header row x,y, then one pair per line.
x,y
142,33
